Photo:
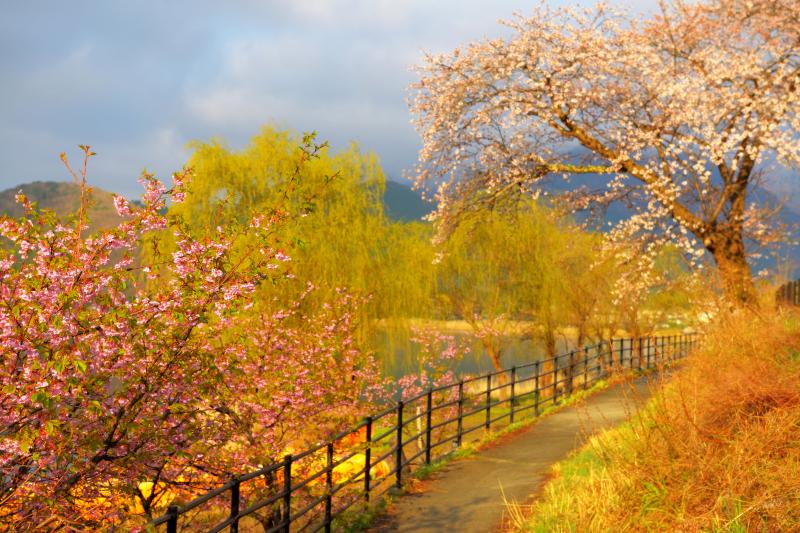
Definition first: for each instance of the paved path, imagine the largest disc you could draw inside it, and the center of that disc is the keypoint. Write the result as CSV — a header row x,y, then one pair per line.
x,y
465,496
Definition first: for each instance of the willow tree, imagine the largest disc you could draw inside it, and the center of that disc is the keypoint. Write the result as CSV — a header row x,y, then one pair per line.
x,y
510,271
337,236
677,114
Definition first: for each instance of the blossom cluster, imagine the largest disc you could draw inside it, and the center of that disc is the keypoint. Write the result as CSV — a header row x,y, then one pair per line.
x,y
675,116
120,371
438,354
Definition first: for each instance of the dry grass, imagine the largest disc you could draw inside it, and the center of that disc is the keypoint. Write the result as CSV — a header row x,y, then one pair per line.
x,y
718,449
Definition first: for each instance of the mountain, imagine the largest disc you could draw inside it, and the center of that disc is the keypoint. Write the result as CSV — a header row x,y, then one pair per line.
x,y
63,198
402,203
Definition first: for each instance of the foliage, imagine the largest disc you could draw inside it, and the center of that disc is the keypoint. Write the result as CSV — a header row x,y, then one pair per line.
x,y
715,450
109,380
644,290
338,235
509,271
676,116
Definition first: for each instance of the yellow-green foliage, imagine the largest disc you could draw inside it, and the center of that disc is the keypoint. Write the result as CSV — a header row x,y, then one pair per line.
x,y
521,263
336,233
715,450
334,201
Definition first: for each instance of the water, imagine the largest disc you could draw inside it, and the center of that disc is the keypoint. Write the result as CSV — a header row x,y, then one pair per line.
x,y
400,357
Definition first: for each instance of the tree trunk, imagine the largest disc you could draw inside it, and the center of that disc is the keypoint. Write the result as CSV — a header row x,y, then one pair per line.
x,y
548,368
581,337
494,352
727,248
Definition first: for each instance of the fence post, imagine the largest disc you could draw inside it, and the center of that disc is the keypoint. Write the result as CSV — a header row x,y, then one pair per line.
x,y
555,380
399,450
571,375
536,391
329,488
235,505
172,521
639,353
488,400
287,492
621,353
513,394
647,351
428,427
460,423
630,353
585,367
601,359
368,459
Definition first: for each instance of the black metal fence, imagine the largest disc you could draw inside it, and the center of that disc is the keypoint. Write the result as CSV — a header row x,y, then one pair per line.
x,y
328,484
788,294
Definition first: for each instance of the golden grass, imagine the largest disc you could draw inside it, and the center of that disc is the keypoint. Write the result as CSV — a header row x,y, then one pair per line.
x,y
717,449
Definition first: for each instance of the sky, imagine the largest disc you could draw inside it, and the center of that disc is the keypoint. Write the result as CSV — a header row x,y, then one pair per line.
x,y
138,80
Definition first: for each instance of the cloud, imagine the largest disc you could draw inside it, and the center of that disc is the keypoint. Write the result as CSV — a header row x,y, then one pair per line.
x,y
138,80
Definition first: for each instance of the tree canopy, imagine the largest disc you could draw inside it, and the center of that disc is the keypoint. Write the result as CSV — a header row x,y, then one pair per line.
x,y
338,235
678,115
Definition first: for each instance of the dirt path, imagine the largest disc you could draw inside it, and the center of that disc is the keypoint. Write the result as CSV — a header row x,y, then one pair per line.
x,y
466,495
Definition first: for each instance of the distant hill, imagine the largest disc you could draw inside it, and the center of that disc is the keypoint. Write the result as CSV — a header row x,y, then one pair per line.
x,y
63,198
403,203
400,202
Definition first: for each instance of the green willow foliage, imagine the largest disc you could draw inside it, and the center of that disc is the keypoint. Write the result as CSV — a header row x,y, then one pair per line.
x,y
338,236
511,271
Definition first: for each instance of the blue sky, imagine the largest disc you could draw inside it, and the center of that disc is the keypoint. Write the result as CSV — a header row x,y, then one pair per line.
x,y
138,80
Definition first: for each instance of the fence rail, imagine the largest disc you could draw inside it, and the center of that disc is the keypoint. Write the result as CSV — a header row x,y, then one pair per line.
x,y
310,490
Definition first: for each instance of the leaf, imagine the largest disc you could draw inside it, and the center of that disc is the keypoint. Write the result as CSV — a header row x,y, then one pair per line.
x,y
42,398
51,426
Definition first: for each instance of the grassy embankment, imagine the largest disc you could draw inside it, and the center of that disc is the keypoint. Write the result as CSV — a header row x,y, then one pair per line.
x,y
717,449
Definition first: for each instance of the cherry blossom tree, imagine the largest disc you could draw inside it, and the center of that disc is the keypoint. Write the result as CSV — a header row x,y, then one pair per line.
x,y
124,384
679,115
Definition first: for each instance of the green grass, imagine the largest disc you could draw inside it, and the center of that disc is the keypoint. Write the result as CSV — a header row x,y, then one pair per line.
x,y
569,472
